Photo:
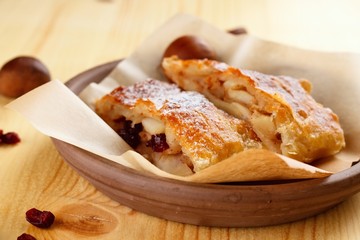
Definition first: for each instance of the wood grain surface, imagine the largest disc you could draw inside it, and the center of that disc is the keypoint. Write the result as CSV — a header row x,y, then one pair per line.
x,y
72,36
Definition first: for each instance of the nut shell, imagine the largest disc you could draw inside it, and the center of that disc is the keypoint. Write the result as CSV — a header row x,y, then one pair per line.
x,y
22,74
190,47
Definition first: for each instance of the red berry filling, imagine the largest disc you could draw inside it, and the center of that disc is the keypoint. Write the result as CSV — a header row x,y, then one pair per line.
x,y
131,133
158,142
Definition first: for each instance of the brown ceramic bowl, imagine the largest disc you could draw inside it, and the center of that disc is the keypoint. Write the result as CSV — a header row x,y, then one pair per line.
x,y
221,205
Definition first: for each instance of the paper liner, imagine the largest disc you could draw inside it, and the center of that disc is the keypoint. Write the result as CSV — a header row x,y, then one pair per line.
x,y
57,112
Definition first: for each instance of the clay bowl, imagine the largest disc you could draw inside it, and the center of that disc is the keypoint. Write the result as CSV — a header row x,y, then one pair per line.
x,y
221,205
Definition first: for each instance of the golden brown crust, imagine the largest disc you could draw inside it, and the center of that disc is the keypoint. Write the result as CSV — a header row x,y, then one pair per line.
x,y
205,134
296,125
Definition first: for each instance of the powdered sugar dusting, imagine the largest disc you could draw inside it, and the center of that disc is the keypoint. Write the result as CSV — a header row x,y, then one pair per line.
x,y
205,133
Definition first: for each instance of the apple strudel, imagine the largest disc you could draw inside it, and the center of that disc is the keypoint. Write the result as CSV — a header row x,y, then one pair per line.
x,y
179,131
279,108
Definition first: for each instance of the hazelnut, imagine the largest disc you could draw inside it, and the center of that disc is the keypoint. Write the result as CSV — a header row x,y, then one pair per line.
x,y
237,31
190,47
22,74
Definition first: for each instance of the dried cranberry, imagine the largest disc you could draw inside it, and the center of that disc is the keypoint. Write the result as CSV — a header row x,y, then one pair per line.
x,y
25,236
41,219
158,142
10,138
131,134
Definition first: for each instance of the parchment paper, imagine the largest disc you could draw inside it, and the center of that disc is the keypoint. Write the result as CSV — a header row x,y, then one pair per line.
x,y
335,77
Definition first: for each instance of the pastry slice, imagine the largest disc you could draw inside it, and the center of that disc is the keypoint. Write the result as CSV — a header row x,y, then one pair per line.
x,y
280,109
181,132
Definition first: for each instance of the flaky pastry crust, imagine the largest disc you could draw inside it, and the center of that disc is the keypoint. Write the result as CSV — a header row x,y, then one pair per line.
x,y
193,126
280,109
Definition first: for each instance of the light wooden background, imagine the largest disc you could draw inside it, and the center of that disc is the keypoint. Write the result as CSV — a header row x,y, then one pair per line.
x,y
71,36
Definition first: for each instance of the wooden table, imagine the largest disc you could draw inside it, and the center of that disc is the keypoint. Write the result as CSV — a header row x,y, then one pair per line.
x,y
71,36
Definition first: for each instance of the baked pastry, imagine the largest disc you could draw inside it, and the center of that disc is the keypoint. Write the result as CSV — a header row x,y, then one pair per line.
x,y
180,132
280,109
